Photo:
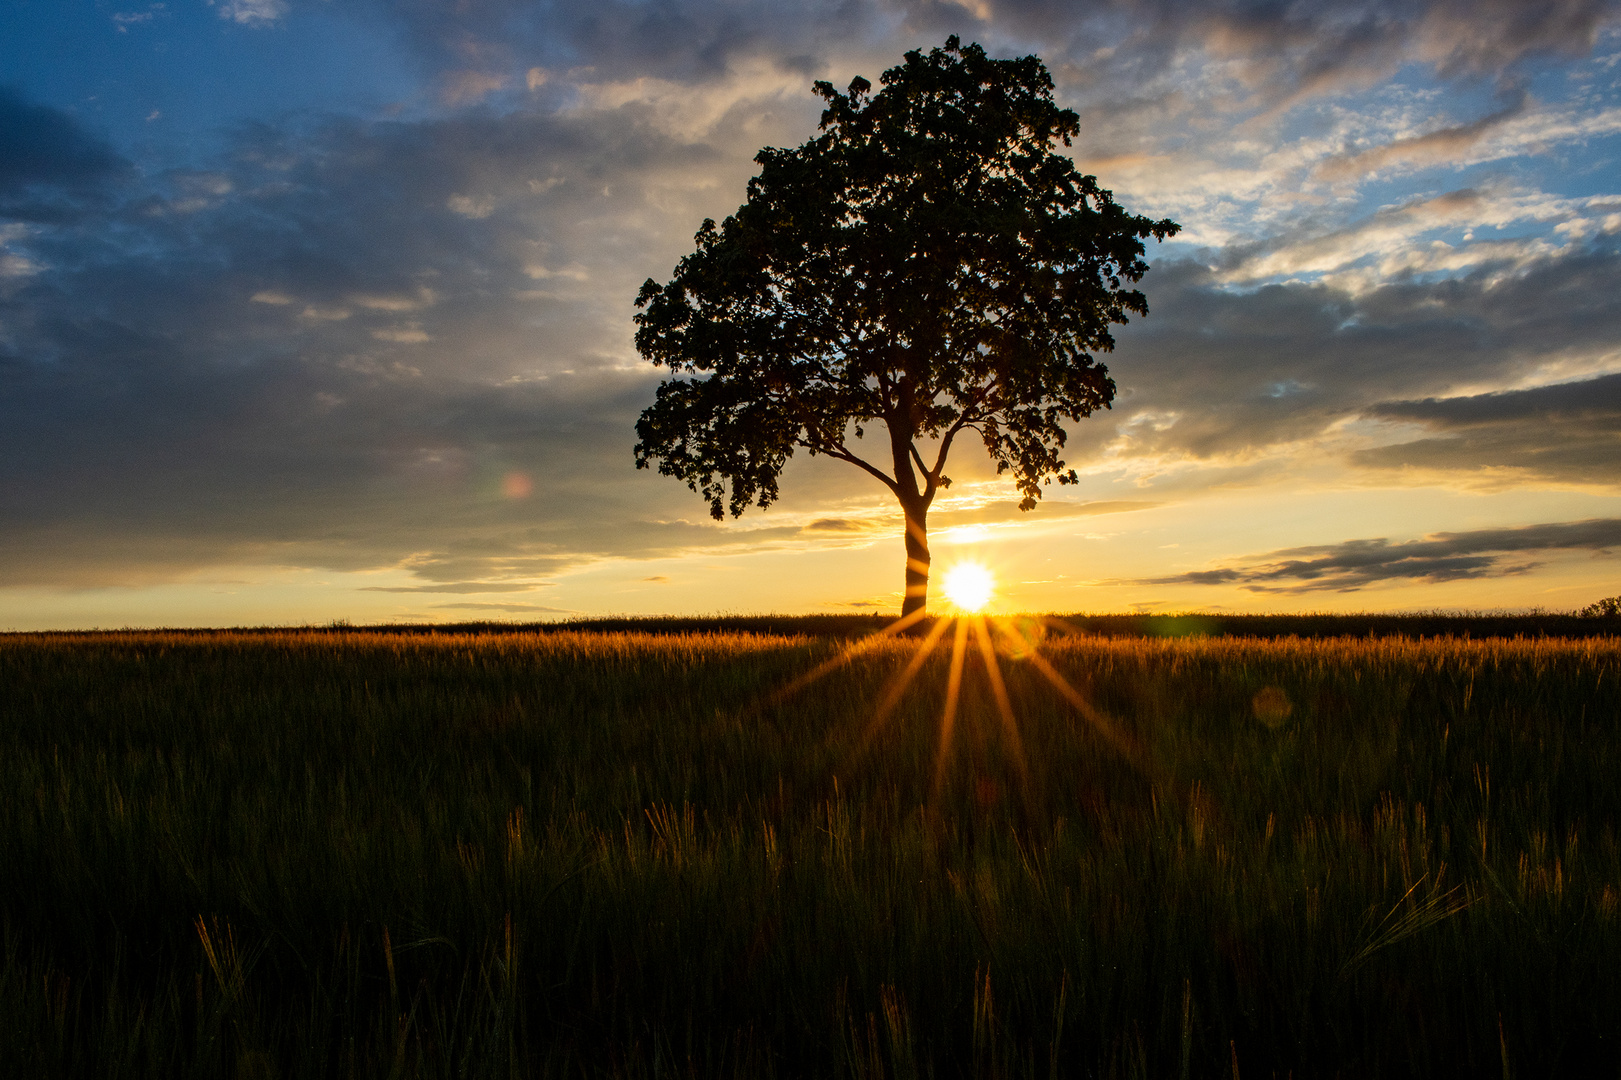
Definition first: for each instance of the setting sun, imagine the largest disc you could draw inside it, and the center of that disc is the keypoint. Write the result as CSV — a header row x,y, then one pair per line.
x,y
969,586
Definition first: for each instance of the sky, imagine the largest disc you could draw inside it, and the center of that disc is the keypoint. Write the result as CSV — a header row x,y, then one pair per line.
x,y
322,309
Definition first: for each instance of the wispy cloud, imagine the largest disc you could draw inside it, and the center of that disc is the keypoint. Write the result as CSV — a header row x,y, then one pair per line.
x,y
1442,144
529,608
1567,432
251,12
457,587
1441,557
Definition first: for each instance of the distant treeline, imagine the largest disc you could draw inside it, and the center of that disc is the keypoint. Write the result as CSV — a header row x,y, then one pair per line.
x,y
1424,624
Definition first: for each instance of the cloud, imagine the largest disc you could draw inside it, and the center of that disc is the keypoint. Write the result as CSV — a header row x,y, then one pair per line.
x,y
1567,432
1510,132
1441,557
1228,378
1392,241
841,525
471,87
1592,399
999,510
251,12
457,587
123,20
1480,37
48,162
1441,144
1314,49
410,334
686,41
536,608
952,513
239,385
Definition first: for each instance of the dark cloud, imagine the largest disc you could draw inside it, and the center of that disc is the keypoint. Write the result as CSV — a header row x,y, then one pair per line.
x,y
1219,372
1476,37
1290,51
1287,51
48,162
1330,46
618,39
1441,557
1569,432
1590,400
40,145
334,347
841,525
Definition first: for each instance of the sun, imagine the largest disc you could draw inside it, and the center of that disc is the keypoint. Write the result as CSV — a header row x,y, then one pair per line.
x,y
969,586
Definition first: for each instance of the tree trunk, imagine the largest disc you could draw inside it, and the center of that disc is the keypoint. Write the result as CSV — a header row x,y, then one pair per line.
x,y
917,559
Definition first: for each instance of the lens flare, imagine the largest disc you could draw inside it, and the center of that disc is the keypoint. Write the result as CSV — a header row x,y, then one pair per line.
x,y
969,586
517,485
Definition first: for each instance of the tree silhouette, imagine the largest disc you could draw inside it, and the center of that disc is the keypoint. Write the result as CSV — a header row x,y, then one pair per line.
x,y
928,261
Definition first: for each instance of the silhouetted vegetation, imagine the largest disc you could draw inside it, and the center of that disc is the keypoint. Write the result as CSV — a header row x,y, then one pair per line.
x,y
1607,608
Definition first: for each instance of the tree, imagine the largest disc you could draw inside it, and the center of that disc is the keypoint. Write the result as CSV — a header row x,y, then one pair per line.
x,y
928,261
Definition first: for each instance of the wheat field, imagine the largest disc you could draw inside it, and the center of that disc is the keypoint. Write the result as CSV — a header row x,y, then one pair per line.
x,y
998,850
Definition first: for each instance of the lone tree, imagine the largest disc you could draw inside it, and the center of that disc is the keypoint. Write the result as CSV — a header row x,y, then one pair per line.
x,y
928,261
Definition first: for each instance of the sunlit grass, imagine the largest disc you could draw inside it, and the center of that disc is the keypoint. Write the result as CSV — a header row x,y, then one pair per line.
x,y
981,846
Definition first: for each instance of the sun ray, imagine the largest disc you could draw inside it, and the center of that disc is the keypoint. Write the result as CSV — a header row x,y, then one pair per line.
x,y
948,718
1054,620
1004,706
897,685
843,657
1091,714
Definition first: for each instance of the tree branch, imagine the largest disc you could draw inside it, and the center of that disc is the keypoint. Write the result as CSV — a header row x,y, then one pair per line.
x,y
917,457
883,390
834,450
945,449
968,419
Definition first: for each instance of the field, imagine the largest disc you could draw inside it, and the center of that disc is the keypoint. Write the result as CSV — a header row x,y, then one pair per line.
x,y
609,852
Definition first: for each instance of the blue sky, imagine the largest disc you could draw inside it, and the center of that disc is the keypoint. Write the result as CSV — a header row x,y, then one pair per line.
x,y
322,308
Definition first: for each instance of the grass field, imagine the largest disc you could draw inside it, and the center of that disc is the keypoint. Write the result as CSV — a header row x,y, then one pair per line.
x,y
587,852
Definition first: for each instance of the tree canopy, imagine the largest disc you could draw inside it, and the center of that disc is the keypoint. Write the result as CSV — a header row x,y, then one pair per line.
x,y
928,261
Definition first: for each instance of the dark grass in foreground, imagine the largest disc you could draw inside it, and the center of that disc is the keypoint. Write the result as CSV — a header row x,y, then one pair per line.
x,y
572,853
